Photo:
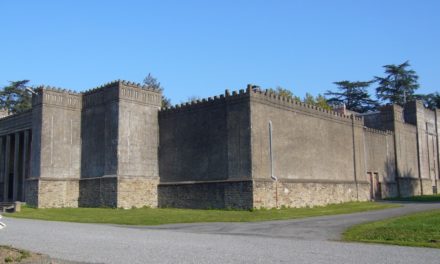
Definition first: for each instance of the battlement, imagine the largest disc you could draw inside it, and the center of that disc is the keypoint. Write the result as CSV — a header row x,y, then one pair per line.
x,y
56,96
250,92
378,131
206,102
291,103
122,89
121,83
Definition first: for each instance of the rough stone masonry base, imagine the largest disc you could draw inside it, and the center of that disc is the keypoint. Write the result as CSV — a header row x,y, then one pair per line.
x,y
268,193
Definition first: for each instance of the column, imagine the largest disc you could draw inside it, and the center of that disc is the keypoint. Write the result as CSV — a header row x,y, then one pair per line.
x,y
16,165
25,164
6,168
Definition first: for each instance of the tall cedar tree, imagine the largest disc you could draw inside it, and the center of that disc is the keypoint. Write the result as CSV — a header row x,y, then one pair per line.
x,y
14,97
152,82
399,85
354,95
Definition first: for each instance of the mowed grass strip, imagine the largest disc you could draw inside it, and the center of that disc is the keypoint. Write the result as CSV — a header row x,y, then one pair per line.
x,y
158,216
420,198
418,230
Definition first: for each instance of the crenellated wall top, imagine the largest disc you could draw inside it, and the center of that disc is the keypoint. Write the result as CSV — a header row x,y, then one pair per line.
x,y
206,102
251,92
122,90
56,96
291,103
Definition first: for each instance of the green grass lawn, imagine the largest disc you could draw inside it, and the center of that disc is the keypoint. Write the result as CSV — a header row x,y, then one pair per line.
x,y
420,198
149,216
419,230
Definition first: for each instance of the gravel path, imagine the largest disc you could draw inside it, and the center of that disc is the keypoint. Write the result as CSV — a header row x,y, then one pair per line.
x,y
294,241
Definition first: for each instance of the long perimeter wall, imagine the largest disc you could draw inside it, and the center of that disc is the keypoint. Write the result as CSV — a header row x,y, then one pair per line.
x,y
113,146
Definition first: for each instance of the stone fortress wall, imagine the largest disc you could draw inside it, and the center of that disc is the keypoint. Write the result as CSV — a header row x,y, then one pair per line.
x,y
112,146
205,153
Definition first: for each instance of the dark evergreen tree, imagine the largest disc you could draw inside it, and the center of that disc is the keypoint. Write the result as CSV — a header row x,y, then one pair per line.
x,y
431,101
354,95
14,97
399,85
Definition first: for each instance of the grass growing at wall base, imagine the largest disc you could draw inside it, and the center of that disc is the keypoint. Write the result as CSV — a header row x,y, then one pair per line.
x,y
418,230
158,216
420,198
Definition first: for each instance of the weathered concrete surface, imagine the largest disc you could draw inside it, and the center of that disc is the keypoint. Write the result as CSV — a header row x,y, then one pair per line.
x,y
318,156
112,146
294,241
206,141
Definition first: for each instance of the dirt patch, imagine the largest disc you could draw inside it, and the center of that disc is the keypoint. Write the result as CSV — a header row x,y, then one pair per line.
x,y
10,255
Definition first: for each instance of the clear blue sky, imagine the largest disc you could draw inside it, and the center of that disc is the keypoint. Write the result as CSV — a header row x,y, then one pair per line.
x,y
200,48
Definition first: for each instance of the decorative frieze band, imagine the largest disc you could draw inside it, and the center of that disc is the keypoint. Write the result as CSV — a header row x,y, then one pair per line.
x,y
57,97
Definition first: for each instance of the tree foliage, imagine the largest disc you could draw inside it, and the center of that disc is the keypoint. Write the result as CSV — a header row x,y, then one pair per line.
x,y
152,82
431,101
284,93
354,95
399,84
322,102
319,100
14,97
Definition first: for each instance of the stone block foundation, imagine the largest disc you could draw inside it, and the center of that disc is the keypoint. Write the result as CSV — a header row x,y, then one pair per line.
x,y
297,193
52,193
98,192
120,192
137,192
206,195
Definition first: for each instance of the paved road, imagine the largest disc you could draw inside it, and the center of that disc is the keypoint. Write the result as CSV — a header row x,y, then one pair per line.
x,y
295,241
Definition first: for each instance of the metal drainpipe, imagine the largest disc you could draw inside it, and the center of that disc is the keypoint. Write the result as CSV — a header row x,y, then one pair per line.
x,y
273,177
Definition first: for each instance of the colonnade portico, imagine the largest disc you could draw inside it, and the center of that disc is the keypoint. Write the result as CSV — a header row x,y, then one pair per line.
x,y
14,165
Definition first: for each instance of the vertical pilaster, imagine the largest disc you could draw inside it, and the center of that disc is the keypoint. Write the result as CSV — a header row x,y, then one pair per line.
x,y
392,118
437,152
2,166
359,166
416,115
16,166
6,168
25,164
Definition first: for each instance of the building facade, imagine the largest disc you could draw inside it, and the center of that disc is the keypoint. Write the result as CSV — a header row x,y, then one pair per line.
x,y
114,146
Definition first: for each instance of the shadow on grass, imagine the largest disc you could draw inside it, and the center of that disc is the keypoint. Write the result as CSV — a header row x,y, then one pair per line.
x,y
420,198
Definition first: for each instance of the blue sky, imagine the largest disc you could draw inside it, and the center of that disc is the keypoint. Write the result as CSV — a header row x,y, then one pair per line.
x,y
201,48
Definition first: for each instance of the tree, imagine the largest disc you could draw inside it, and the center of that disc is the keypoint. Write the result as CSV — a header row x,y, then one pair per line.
x,y
309,99
14,97
354,95
152,82
321,102
284,93
431,101
399,85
